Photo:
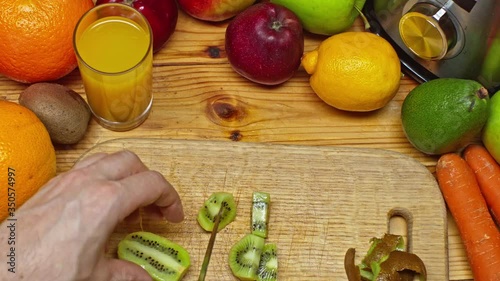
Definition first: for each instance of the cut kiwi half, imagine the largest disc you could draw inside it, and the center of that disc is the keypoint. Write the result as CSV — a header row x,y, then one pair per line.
x,y
244,257
268,265
260,213
211,207
161,258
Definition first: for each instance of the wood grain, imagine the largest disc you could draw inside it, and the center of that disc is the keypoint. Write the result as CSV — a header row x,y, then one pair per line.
x,y
199,97
324,200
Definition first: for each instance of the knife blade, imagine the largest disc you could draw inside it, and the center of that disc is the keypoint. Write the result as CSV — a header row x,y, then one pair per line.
x,y
210,247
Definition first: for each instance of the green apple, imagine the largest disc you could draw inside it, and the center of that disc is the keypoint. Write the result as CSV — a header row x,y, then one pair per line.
x,y
490,71
491,131
325,17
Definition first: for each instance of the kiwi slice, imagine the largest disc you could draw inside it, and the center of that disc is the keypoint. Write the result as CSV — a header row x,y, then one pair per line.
x,y
260,213
244,257
211,207
160,257
268,266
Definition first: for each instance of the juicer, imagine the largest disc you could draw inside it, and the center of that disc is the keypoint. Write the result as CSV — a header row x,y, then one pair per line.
x,y
442,38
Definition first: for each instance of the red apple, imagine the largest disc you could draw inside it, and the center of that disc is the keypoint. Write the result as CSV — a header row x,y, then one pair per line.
x,y
161,14
214,10
265,43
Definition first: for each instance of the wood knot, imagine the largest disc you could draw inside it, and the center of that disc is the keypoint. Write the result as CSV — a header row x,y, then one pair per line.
x,y
225,111
236,135
213,52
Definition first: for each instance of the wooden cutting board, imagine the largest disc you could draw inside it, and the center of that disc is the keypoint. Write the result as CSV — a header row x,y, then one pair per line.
x,y
324,201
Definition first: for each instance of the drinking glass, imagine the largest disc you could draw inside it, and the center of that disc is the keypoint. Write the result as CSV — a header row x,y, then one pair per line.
x,y
113,45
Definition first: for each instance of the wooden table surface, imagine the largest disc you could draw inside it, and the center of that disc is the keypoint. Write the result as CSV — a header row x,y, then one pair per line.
x,y
198,96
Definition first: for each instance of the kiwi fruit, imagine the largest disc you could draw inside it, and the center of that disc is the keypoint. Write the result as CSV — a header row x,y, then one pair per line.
x,y
244,257
268,266
211,207
160,257
260,213
64,112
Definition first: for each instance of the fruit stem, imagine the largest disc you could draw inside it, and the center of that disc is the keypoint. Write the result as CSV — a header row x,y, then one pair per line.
x,y
482,93
365,20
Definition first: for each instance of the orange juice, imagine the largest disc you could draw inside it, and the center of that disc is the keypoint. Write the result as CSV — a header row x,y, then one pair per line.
x,y
115,62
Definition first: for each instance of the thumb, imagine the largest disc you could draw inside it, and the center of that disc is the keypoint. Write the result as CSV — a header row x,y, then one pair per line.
x,y
121,270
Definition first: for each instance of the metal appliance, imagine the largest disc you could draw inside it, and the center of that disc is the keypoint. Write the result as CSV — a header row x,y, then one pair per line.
x,y
442,38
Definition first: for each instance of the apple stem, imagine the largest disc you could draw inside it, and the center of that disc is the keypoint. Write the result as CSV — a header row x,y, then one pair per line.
x,y
365,20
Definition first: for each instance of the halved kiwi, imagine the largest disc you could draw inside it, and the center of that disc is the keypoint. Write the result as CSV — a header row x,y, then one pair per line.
x,y
268,266
161,258
260,213
244,257
211,207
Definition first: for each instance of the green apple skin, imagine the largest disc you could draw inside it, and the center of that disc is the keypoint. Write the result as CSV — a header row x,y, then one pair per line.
x,y
324,17
491,130
490,72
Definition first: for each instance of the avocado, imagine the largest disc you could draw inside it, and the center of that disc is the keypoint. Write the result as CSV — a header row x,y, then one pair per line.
x,y
444,115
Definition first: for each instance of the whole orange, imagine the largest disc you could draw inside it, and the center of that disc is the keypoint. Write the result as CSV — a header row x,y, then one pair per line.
x,y
37,38
27,156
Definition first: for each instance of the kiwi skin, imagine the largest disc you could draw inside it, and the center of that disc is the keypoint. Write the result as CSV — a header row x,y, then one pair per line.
x,y
245,255
64,112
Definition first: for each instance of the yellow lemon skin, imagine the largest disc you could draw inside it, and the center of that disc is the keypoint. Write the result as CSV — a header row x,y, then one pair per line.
x,y
354,71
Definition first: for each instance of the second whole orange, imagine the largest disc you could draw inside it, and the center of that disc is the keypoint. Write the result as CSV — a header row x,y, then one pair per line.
x,y
36,38
27,157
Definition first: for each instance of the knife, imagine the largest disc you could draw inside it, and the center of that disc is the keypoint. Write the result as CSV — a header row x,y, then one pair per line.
x,y
211,243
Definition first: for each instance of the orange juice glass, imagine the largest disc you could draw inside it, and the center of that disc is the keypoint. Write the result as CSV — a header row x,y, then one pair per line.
x,y
113,45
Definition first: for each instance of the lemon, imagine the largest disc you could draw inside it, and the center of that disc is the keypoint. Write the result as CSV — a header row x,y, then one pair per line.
x,y
354,71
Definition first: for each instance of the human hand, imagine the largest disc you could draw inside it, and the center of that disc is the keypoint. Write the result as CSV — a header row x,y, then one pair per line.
x,y
61,232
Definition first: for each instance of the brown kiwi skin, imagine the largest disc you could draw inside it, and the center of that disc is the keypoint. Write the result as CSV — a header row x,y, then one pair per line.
x,y
64,112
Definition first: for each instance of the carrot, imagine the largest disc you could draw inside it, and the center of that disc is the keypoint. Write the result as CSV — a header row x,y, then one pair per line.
x,y
487,172
480,235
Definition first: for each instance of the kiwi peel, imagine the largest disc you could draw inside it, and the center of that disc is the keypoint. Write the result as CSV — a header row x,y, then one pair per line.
x,y
386,260
212,206
161,258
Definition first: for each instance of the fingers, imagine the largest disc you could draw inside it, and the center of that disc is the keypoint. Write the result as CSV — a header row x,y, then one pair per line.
x,y
115,166
126,271
134,217
149,188
89,171
89,160
152,211
139,187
